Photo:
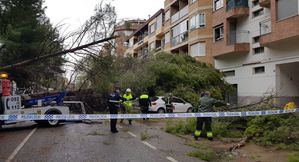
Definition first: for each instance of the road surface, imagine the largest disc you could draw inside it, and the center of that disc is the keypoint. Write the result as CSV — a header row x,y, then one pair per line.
x,y
91,142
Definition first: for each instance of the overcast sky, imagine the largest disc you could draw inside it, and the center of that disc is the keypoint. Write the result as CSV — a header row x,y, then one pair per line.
x,y
75,12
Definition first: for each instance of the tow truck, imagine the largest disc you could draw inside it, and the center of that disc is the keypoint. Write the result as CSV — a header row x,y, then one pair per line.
x,y
11,104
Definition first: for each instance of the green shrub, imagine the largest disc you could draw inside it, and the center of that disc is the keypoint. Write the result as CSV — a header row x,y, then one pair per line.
x,y
203,153
275,130
181,126
220,129
294,157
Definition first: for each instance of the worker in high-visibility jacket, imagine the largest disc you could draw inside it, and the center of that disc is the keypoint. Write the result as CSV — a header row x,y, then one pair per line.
x,y
144,103
206,105
128,104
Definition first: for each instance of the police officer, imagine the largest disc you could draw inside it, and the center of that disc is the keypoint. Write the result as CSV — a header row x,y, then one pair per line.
x,y
127,105
206,105
114,103
144,103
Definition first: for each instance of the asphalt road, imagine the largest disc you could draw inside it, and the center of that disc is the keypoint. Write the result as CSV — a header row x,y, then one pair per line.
x,y
91,142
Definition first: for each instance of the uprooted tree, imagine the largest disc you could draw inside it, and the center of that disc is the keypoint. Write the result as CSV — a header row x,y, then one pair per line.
x,y
163,73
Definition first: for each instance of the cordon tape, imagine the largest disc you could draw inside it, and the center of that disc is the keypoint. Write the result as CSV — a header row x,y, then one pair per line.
x,y
29,117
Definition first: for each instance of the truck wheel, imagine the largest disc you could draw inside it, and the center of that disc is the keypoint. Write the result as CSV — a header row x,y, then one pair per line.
x,y
53,123
50,123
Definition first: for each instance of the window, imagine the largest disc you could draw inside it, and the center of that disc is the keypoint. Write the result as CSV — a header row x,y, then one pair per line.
x,y
167,38
202,19
255,3
259,50
258,13
218,33
131,42
259,70
177,100
287,8
180,28
152,28
192,1
167,15
218,4
256,39
159,21
198,49
152,46
193,22
198,20
230,73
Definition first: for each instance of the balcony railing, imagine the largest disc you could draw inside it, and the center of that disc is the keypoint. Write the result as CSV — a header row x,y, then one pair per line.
x,y
265,27
236,37
183,12
232,4
179,39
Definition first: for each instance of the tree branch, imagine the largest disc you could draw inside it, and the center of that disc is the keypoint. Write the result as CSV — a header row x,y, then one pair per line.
x,y
30,61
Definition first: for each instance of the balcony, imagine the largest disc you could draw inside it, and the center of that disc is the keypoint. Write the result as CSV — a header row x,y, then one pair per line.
x,y
265,3
237,9
182,13
237,43
265,27
277,32
179,39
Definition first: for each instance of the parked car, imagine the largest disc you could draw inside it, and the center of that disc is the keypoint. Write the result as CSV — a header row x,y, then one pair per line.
x,y
159,105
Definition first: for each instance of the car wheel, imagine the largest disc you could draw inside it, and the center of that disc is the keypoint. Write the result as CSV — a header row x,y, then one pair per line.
x,y
189,110
161,111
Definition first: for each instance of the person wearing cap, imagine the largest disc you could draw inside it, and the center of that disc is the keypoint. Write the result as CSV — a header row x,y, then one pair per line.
x,y
128,104
206,105
114,102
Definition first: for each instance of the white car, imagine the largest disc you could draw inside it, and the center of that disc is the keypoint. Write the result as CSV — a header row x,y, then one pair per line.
x,y
159,106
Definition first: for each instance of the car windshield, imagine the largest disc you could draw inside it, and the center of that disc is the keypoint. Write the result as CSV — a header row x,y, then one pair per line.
x,y
153,99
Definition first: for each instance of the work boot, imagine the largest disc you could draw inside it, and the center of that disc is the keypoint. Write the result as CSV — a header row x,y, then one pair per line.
x,y
197,134
195,138
210,136
114,131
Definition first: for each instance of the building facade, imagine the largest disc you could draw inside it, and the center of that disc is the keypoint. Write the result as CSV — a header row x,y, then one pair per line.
x,y
255,45
183,26
123,30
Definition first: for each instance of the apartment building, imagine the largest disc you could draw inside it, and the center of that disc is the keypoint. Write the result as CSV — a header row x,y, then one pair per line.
x,y
183,26
148,37
187,28
256,46
123,30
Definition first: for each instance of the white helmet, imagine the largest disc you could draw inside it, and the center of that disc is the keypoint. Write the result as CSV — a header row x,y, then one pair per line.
x,y
128,90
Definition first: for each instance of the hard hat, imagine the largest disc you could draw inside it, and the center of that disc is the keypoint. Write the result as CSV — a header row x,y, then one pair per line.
x,y
128,90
